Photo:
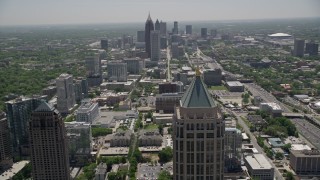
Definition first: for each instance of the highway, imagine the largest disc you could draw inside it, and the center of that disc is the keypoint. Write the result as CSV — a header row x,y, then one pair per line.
x,y
309,131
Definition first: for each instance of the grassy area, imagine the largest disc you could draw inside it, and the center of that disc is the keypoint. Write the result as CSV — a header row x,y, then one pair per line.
x,y
151,126
218,88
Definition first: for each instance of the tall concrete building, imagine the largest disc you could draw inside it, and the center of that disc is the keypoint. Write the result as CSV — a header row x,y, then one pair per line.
x,y
117,71
232,142
93,64
212,77
188,29
134,65
312,48
198,135
163,42
163,28
5,144
213,32
65,93
148,28
88,111
18,115
175,29
157,25
140,36
49,152
298,49
155,45
204,32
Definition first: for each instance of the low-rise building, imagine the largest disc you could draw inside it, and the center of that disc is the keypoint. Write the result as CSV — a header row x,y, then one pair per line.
x,y
101,172
150,138
235,86
306,162
88,111
275,142
272,108
121,139
259,167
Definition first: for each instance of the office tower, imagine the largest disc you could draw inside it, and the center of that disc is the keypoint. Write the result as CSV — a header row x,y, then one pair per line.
x,y
212,77
140,36
78,90
79,140
175,29
163,42
18,114
312,48
232,149
48,144
84,87
213,32
198,135
188,29
204,32
93,64
148,28
157,25
104,44
298,49
155,45
163,28
5,144
65,93
134,65
175,50
117,71
88,111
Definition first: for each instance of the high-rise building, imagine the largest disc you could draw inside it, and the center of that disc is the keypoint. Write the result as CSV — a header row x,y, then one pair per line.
x,y
188,29
312,48
175,27
163,28
213,32
155,45
117,71
140,36
65,93
78,90
104,44
5,144
148,28
204,32
198,135
298,49
157,25
93,64
163,42
175,50
18,115
79,140
48,144
232,149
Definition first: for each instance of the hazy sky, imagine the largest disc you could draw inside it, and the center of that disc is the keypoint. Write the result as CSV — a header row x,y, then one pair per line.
x,y
21,12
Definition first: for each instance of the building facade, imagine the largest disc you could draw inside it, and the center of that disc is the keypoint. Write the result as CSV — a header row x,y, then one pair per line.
x,y
6,160
140,36
232,144
65,93
134,65
259,167
163,28
157,25
198,135
188,29
117,71
305,162
175,28
104,44
212,77
298,49
48,144
148,28
167,102
204,32
88,111
312,48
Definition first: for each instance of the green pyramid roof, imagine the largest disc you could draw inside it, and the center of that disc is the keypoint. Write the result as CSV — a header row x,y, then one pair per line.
x,y
44,107
197,95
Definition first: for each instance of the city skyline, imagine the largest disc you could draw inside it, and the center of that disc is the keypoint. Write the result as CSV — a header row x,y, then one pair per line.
x,y
36,12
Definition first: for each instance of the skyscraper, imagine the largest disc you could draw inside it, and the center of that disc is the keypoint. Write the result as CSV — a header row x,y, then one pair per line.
x,y
49,152
188,29
117,71
163,28
140,36
298,47
5,144
204,32
157,25
18,115
148,28
155,45
312,48
65,93
104,44
198,135
175,27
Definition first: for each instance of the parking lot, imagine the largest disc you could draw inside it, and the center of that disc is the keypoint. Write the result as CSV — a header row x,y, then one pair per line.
x,y
148,171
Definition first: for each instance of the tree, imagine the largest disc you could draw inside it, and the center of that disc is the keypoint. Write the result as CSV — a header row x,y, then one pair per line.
x,y
289,176
160,127
279,155
286,147
164,175
100,131
165,155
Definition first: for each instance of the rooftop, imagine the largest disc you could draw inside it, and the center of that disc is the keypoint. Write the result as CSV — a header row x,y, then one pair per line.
x,y
258,161
197,94
279,35
234,83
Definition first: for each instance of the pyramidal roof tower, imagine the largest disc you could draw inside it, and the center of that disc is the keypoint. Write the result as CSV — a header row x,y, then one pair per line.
x,y
148,28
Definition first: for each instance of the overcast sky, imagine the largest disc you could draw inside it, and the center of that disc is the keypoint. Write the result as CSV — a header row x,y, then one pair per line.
x,y
29,12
